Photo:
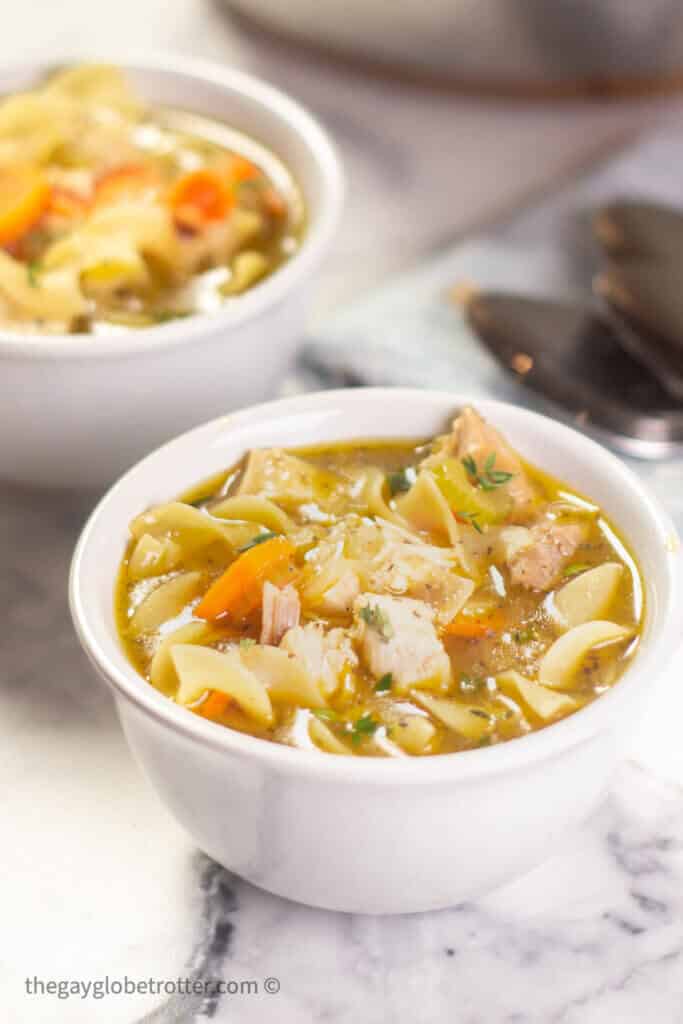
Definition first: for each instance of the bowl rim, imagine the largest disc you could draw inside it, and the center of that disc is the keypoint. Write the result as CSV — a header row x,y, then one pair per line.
x,y
579,727
297,119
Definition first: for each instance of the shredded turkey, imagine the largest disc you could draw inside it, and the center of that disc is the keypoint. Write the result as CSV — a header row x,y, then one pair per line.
x,y
281,611
406,566
325,654
538,564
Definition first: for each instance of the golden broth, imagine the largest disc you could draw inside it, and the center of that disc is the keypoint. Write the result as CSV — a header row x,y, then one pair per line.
x,y
502,624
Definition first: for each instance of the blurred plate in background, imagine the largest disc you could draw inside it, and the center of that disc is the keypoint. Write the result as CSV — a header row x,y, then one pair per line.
x,y
522,46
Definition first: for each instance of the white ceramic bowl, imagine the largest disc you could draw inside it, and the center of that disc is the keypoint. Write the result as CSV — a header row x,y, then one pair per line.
x,y
78,410
362,834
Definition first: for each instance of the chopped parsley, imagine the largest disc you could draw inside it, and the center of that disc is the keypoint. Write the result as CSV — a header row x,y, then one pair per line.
x,y
32,270
575,568
471,518
249,185
326,714
384,683
488,478
363,727
400,481
468,684
246,642
375,618
258,539
164,315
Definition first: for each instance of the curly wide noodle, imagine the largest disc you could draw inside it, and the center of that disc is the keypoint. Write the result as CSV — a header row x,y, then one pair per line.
x,y
165,602
33,125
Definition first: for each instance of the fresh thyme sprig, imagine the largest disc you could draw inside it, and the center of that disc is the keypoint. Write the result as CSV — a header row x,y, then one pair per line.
x,y
488,478
258,539
472,518
375,618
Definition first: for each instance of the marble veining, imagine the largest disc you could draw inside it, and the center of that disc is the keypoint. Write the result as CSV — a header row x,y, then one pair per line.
x,y
216,895
594,935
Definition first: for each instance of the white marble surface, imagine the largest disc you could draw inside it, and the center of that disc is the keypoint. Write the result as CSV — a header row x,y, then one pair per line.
x,y
96,880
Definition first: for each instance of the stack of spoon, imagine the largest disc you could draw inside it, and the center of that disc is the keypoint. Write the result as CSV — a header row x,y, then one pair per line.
x,y
614,362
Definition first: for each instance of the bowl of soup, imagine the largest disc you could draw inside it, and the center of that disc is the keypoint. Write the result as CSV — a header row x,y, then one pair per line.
x,y
160,226
378,650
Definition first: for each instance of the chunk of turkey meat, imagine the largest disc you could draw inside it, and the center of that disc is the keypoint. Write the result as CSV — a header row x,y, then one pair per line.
x,y
281,610
538,564
397,636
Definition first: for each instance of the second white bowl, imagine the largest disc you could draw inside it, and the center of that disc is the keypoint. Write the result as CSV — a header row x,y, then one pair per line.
x,y
76,410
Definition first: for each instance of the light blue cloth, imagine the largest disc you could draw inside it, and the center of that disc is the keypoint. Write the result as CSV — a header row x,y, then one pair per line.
x,y
410,333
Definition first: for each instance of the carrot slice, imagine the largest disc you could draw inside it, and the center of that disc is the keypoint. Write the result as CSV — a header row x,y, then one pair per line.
x,y
473,627
238,591
199,198
242,169
64,202
214,705
126,181
24,195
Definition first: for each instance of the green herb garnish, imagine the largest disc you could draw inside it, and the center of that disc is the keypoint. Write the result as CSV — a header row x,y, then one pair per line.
x,y
575,568
384,683
487,478
362,728
400,481
471,518
259,539
468,684
32,270
250,185
246,642
164,315
326,714
524,636
375,618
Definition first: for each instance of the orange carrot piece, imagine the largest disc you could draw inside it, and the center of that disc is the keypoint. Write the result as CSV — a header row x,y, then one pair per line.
x,y
126,181
474,627
199,198
242,169
239,590
64,202
24,195
214,705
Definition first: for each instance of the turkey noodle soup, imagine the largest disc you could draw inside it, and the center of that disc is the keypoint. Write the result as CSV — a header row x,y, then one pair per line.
x,y
385,599
114,216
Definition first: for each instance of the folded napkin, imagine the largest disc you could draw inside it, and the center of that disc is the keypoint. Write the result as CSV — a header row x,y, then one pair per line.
x,y
410,333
